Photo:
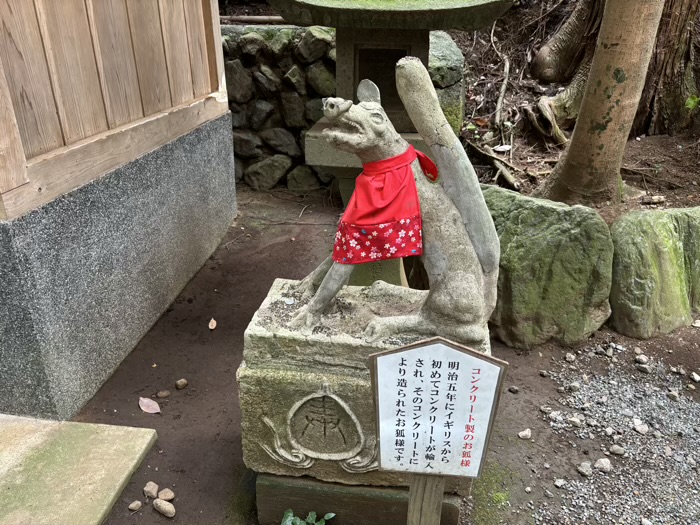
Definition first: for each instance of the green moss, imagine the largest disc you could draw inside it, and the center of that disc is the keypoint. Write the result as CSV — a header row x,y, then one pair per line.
x,y
619,75
454,115
491,495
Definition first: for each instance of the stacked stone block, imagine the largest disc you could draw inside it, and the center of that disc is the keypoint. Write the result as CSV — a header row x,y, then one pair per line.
x,y
277,77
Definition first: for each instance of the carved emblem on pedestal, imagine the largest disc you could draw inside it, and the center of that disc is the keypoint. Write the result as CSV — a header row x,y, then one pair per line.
x,y
323,426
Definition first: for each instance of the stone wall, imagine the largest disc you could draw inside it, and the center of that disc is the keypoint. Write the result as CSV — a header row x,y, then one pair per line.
x,y
277,77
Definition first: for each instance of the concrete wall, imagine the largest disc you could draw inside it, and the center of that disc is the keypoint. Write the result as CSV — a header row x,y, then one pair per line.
x,y
84,277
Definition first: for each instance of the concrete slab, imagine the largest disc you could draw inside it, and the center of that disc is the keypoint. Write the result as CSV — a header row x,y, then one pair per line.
x,y
62,473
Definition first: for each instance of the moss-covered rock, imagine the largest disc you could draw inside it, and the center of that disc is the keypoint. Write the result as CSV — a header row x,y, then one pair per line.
x,y
656,271
452,101
321,79
555,270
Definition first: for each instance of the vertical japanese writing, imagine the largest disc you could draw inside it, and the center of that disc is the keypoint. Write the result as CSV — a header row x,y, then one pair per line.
x,y
449,415
470,426
417,415
402,386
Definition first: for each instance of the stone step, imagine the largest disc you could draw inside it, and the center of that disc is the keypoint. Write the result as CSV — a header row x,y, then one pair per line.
x,y
63,473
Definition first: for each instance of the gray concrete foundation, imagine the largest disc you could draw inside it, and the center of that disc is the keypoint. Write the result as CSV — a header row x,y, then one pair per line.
x,y
84,277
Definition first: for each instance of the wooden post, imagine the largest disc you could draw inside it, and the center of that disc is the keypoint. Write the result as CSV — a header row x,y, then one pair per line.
x,y
13,164
425,499
214,47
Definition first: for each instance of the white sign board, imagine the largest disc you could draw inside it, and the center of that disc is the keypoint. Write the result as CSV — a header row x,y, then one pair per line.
x,y
435,405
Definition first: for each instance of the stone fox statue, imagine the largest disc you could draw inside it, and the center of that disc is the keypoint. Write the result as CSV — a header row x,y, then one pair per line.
x,y
460,246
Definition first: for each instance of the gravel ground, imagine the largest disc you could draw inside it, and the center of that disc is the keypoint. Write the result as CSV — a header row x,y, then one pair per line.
x,y
637,403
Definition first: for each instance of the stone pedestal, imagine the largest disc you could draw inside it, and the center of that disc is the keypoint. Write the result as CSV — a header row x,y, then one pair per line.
x,y
306,397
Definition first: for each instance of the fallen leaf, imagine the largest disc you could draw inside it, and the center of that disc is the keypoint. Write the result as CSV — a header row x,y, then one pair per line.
x,y
149,406
502,148
481,122
212,324
696,323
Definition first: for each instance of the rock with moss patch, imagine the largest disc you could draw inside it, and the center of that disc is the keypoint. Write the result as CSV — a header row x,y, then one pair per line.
x,y
446,61
281,42
555,270
452,101
313,45
302,178
265,175
321,79
656,271
252,44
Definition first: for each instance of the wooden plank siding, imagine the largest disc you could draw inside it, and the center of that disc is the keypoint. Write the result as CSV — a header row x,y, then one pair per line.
x,y
82,162
27,74
111,36
147,38
197,43
73,68
177,54
13,171
89,85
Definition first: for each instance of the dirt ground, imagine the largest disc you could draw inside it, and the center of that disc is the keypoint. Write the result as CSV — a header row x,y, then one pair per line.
x,y
198,453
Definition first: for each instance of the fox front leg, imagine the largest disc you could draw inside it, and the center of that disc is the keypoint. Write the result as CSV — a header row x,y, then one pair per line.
x,y
336,277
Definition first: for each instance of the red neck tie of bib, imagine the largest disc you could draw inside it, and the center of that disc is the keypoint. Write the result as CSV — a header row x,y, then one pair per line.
x,y
383,219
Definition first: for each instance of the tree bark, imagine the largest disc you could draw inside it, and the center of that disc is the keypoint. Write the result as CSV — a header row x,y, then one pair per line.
x,y
589,170
671,79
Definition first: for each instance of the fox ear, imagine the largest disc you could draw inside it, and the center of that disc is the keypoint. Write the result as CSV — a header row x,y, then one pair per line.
x,y
367,91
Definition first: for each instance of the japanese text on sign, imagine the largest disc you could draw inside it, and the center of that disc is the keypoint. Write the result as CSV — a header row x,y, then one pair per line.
x,y
435,405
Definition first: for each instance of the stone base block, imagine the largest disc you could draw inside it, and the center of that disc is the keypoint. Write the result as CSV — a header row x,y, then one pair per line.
x,y
84,277
306,398
351,505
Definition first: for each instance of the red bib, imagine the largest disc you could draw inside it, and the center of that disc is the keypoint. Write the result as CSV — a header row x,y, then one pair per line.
x,y
383,220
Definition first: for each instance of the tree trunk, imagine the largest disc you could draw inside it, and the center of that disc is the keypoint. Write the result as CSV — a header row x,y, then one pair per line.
x,y
589,170
671,79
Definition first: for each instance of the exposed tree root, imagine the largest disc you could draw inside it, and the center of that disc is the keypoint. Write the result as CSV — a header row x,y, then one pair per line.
x,y
558,59
559,112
